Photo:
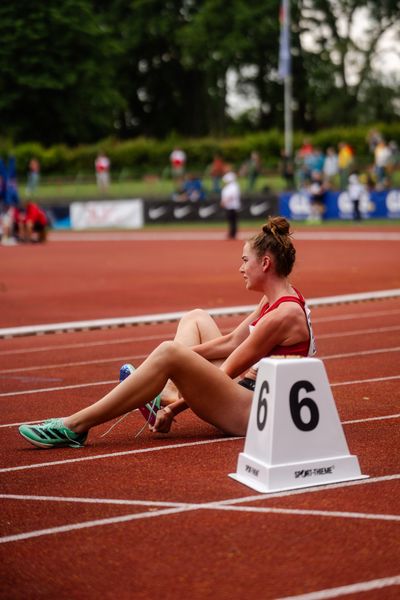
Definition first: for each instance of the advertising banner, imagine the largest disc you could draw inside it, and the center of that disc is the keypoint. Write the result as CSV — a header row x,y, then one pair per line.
x,y
258,206
123,214
376,204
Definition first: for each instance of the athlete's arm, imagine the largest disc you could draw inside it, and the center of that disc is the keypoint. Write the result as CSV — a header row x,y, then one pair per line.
x,y
283,326
165,416
223,346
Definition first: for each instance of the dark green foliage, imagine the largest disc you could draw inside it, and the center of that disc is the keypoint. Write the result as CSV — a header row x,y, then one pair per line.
x,y
80,71
150,156
56,80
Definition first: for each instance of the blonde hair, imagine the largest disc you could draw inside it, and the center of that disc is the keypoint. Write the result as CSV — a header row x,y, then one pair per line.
x,y
275,238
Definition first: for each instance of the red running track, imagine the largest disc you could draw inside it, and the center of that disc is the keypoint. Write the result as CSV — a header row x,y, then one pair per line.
x,y
157,516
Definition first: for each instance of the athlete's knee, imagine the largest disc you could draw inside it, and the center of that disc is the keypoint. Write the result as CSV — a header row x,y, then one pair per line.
x,y
194,315
170,351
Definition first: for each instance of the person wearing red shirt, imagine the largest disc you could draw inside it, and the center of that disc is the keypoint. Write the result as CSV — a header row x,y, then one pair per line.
x,y
33,224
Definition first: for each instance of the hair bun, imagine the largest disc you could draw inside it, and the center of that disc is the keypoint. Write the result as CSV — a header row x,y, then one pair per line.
x,y
277,226
276,239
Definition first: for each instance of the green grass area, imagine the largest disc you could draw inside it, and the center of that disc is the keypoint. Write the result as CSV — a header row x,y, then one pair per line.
x,y
60,191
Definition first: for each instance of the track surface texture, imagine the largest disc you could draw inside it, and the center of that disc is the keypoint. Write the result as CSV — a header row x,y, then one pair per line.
x,y
156,516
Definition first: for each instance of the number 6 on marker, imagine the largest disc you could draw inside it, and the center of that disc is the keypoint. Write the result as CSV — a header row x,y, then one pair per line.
x,y
296,405
262,406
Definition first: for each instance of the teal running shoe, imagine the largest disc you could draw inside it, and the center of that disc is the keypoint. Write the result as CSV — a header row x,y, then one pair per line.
x,y
52,434
149,410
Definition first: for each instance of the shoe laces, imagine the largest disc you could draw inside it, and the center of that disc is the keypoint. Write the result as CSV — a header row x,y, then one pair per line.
x,y
151,412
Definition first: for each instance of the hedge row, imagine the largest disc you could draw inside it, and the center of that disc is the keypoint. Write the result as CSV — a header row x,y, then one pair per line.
x,y
141,156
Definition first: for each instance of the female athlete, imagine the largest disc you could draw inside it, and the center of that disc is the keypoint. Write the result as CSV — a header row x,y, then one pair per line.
x,y
211,373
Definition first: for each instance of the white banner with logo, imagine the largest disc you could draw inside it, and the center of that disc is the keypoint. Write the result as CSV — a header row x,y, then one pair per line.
x,y
122,214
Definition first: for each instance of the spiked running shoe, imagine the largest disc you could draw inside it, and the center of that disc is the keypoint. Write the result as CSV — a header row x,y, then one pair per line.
x,y
52,434
149,410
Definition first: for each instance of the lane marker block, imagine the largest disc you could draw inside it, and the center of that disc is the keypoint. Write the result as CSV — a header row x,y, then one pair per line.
x,y
294,436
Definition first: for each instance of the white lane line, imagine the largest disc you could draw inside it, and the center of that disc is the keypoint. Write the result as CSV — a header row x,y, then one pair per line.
x,y
344,590
382,418
116,454
78,500
311,490
353,316
176,316
359,353
174,510
81,363
379,418
370,380
309,512
105,342
132,358
187,508
228,502
59,388
96,523
113,382
110,342
378,330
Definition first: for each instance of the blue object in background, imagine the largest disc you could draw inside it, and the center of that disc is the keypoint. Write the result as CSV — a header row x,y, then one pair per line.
x,y
11,191
373,205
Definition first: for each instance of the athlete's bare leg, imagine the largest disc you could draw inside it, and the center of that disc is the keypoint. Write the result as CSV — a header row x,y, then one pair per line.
x,y
195,327
209,392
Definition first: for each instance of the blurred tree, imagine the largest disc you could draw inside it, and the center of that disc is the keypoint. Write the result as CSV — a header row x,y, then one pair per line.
x,y
56,78
343,40
80,70
238,36
176,58
162,93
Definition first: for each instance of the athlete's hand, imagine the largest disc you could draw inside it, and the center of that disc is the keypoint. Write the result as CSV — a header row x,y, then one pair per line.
x,y
164,420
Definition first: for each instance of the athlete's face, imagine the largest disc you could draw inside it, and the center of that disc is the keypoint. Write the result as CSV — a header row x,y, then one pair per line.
x,y
253,268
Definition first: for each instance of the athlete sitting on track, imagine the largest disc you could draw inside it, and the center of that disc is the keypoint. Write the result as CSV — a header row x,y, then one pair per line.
x,y
202,363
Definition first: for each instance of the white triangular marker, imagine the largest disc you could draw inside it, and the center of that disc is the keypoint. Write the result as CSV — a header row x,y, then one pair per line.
x,y
294,436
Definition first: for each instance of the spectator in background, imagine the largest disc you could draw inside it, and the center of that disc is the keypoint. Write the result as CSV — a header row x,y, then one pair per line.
x,y
382,156
287,170
251,169
191,190
218,169
8,224
102,168
394,163
33,224
302,162
9,202
3,180
230,201
33,176
11,185
177,161
355,189
373,139
331,167
317,193
316,161
345,162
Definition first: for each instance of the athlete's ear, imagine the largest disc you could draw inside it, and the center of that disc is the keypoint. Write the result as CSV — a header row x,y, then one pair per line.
x,y
266,263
